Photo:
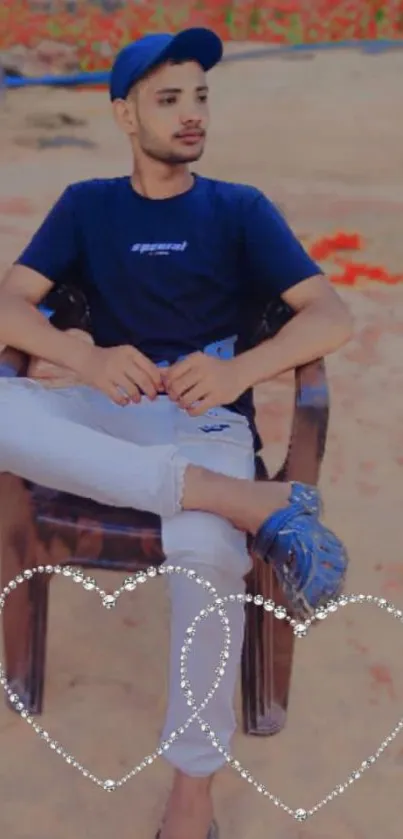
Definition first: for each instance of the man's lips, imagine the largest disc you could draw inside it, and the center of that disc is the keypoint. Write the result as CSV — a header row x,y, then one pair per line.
x,y
191,136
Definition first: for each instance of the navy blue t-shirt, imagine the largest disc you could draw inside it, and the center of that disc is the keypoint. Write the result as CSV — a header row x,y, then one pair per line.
x,y
169,276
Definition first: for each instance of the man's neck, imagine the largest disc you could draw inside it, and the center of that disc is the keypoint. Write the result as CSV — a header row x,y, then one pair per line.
x,y
162,183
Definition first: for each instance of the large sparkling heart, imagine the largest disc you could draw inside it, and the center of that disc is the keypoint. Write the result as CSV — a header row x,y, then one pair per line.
x,y
301,814
109,601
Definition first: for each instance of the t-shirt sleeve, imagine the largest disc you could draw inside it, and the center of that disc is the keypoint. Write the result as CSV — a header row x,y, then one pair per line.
x,y
54,250
274,259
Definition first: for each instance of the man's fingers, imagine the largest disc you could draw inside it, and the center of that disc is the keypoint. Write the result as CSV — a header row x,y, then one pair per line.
x,y
152,372
128,387
201,407
186,382
141,379
195,394
148,367
117,395
136,396
179,369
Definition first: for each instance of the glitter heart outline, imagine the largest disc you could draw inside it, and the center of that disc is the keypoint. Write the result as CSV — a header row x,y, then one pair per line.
x,y
109,601
300,629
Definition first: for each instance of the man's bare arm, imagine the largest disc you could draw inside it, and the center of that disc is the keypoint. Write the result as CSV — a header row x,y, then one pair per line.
x,y
23,327
321,325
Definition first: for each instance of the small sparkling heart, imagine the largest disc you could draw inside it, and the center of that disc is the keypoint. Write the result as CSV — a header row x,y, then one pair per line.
x,y
300,630
109,601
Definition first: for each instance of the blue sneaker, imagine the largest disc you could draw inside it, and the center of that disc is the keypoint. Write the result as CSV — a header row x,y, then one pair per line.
x,y
309,561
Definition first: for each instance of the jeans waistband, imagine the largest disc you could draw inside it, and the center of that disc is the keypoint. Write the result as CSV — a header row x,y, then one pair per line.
x,y
225,349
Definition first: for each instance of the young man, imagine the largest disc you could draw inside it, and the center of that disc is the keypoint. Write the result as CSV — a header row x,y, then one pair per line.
x,y
161,416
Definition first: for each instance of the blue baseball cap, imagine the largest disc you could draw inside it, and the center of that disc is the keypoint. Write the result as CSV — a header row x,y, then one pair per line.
x,y
134,61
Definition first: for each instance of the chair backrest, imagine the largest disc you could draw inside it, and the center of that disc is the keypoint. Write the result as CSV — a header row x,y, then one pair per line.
x,y
67,308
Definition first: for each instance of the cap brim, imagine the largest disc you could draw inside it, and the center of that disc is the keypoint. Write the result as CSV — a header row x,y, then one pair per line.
x,y
196,44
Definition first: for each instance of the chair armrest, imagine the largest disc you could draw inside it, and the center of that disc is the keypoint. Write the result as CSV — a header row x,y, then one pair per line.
x,y
13,363
309,425
67,308
311,408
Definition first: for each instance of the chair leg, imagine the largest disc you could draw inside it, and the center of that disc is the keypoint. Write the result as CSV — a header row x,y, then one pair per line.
x,y
26,609
266,658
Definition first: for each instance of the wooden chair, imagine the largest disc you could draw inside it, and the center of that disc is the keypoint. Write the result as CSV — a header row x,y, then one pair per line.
x,y
40,527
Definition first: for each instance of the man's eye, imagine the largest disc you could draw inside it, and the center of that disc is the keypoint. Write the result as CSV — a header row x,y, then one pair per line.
x,y
168,100
203,97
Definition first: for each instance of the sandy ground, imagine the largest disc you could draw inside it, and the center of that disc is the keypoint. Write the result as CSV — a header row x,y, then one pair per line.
x,y
323,137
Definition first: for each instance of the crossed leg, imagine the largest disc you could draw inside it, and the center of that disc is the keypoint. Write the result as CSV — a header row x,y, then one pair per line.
x,y
76,441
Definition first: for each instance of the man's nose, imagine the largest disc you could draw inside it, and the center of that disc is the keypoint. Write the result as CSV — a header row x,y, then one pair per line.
x,y
191,116
191,122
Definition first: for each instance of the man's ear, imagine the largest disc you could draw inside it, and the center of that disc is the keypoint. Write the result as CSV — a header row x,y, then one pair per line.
x,y
124,112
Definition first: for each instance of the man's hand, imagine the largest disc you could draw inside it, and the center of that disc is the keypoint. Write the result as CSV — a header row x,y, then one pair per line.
x,y
200,382
120,372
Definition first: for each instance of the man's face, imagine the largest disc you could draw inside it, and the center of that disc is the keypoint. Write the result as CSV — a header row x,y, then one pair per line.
x,y
167,113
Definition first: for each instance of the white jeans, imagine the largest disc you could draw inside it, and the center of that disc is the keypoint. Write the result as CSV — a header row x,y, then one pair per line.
x,y
77,441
